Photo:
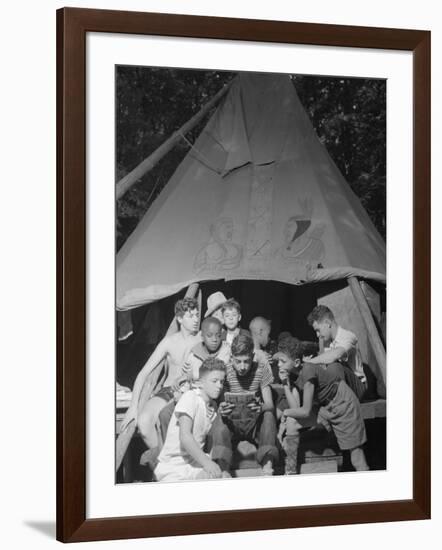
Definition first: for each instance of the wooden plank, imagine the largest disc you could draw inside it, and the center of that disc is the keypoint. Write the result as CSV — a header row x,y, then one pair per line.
x,y
248,472
325,467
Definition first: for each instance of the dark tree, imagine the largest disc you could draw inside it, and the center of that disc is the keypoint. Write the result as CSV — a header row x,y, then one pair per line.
x,y
347,113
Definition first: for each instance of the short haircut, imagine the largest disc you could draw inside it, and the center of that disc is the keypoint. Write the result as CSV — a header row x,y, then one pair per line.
x,y
283,335
291,347
231,304
211,321
260,319
320,314
211,364
184,305
242,345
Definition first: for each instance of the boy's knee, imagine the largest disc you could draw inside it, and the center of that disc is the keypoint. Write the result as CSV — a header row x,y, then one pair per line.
x,y
292,426
146,423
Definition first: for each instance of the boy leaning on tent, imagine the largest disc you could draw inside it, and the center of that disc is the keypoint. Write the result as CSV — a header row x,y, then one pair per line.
x,y
341,346
174,349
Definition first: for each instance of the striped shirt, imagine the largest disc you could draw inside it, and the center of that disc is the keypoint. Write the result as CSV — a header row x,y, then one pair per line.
x,y
259,376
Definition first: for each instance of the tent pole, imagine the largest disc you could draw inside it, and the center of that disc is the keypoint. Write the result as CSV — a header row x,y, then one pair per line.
x,y
367,316
148,163
150,385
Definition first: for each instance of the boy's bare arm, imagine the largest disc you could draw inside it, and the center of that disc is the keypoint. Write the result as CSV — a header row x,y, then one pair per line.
x,y
329,356
292,396
267,399
307,402
191,446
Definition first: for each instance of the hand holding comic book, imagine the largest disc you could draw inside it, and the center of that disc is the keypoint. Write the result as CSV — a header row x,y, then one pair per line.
x,y
244,409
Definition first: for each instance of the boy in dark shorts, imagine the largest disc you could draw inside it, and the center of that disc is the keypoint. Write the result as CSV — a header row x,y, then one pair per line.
x,y
340,409
247,410
341,346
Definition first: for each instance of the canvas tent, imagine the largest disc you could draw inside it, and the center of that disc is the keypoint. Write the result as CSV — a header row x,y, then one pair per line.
x,y
257,197
255,208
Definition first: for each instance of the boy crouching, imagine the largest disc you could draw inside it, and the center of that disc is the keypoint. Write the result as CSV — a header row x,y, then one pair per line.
x,y
246,410
182,456
340,409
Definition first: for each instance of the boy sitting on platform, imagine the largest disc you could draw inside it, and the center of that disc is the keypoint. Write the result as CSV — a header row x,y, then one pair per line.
x,y
340,345
247,410
182,456
340,409
289,350
174,348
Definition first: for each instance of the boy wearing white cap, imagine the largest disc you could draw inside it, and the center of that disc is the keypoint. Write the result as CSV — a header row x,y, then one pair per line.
x,y
215,303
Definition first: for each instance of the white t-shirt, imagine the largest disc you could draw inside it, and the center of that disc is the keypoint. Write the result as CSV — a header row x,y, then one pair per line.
x,y
347,340
194,406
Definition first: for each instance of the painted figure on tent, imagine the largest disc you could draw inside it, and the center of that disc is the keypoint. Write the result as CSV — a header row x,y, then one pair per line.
x,y
220,252
302,237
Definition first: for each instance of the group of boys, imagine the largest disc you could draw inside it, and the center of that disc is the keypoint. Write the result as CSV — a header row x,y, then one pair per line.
x,y
218,391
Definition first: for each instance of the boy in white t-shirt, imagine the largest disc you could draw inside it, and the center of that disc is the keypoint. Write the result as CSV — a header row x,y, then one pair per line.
x,y
340,345
182,456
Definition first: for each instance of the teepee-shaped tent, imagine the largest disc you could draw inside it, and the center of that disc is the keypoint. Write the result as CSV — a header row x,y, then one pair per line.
x,y
257,197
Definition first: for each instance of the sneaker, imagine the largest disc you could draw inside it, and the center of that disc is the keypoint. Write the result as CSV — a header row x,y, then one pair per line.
x,y
267,469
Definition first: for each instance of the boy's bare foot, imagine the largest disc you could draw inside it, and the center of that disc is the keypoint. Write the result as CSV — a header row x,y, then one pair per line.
x,y
267,468
150,458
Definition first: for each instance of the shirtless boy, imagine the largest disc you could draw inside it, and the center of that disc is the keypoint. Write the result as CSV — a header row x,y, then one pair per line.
x,y
174,349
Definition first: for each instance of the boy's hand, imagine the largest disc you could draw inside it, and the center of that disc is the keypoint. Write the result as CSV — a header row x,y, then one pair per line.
x,y
213,469
283,375
225,408
254,406
131,415
176,384
307,358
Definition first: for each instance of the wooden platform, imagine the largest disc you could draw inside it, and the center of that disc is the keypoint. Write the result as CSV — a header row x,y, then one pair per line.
x,y
318,451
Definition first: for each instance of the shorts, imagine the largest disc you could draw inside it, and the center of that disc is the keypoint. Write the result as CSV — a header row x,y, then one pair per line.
x,y
281,404
343,416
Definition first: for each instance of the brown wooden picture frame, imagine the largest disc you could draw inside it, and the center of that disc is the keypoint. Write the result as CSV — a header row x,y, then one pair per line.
x,y
72,26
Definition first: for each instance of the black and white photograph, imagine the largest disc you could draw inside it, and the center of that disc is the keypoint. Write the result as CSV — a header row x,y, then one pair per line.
x,y
250,241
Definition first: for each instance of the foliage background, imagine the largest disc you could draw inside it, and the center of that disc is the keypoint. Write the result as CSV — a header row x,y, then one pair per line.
x,y
348,114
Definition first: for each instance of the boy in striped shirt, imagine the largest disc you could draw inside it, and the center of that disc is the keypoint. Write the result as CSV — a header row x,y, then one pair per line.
x,y
247,410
